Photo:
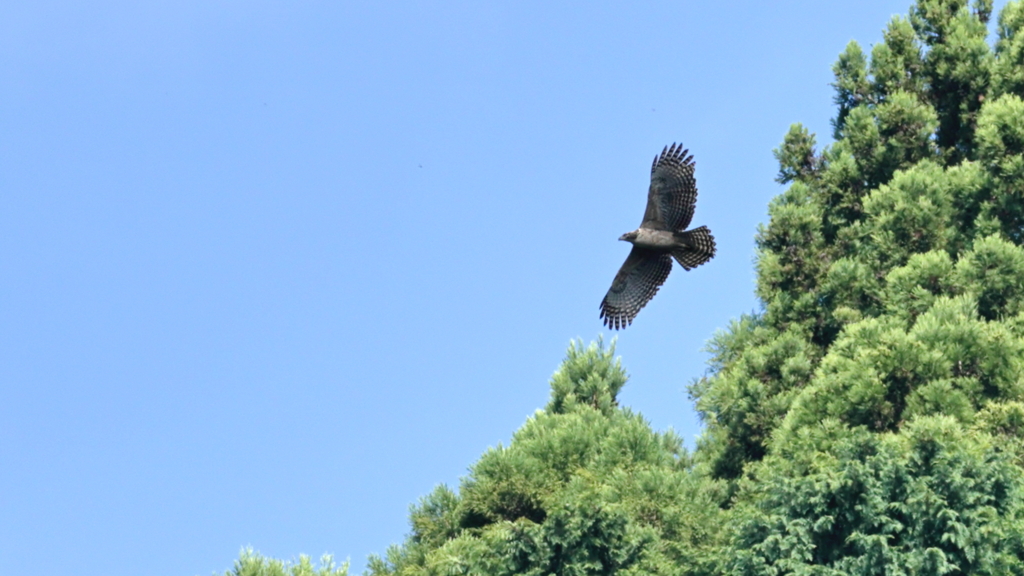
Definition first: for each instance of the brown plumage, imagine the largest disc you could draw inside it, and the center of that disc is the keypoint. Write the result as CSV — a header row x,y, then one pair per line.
x,y
661,237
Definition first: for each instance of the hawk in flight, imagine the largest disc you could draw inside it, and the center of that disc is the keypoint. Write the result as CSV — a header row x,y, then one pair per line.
x,y
661,237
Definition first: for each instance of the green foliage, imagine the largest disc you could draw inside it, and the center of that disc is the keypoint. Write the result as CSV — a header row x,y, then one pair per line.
x,y
919,201
252,563
957,67
1009,65
1005,422
882,372
752,393
911,290
584,487
993,274
933,499
896,63
871,418
851,83
1001,153
586,376
891,135
796,157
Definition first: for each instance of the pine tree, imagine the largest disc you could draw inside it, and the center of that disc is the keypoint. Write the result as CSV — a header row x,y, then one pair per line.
x,y
868,420
584,487
904,231
251,563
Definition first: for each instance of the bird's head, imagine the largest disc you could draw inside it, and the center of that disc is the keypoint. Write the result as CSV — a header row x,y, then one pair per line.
x,y
628,236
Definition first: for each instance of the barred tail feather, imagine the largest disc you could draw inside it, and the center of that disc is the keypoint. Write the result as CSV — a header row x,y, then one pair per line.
x,y
698,247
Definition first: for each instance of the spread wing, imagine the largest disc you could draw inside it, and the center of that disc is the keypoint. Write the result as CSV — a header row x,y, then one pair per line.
x,y
643,272
673,192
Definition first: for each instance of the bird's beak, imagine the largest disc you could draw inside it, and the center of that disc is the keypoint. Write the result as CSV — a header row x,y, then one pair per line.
x,y
622,238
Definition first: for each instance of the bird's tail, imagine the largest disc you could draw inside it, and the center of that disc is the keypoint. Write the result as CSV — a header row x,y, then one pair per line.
x,y
698,246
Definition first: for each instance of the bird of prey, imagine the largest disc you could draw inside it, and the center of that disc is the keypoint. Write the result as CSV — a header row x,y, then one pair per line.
x,y
661,237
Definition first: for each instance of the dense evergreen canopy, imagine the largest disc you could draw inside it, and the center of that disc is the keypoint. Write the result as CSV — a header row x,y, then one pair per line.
x,y
869,420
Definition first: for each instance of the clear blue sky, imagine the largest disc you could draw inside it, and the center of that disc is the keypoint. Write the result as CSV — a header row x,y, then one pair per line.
x,y
270,271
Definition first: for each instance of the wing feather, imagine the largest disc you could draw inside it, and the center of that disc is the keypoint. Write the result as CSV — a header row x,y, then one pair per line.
x,y
643,272
672,195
